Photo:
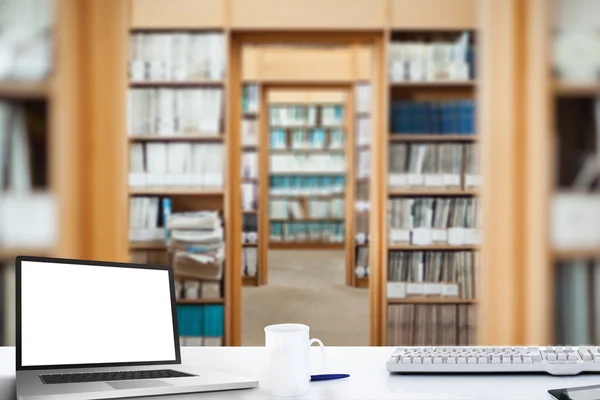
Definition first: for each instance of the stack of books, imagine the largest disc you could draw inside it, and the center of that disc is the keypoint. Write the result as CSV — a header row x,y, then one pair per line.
x,y
456,117
361,266
145,219
307,185
196,243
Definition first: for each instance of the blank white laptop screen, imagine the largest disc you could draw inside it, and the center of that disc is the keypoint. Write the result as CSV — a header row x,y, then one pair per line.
x,y
86,314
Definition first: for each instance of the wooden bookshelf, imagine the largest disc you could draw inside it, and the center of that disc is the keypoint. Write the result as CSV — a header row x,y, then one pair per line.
x,y
432,247
432,192
176,84
147,245
361,282
428,137
566,89
200,301
576,254
434,84
177,138
431,300
305,246
250,281
25,90
176,191
249,244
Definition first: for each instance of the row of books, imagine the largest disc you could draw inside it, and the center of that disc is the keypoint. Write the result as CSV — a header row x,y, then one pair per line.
x,y
249,261
249,228
361,220
249,196
307,163
180,56
176,164
250,164
455,117
425,220
307,138
363,164
250,135
165,111
306,115
314,232
250,100
361,201
434,165
361,266
363,131
146,220
435,273
27,209
441,59
362,97
189,289
332,208
309,185
577,302
200,324
27,37
431,325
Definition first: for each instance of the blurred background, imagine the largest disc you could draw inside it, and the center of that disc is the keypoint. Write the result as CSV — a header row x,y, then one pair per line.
x,y
389,172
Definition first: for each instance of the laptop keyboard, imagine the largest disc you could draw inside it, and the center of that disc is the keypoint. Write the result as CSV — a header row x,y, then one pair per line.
x,y
112,376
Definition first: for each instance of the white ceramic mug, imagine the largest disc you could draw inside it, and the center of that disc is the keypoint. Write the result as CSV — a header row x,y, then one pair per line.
x,y
287,349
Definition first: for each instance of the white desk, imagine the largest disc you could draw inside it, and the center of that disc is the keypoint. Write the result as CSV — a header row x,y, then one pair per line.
x,y
368,380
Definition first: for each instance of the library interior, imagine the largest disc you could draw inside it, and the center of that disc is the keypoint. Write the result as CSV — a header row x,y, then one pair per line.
x,y
387,172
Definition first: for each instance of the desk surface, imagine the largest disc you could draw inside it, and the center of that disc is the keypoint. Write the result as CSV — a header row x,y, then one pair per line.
x,y
369,378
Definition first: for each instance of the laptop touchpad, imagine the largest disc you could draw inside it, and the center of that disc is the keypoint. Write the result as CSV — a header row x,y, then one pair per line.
x,y
151,383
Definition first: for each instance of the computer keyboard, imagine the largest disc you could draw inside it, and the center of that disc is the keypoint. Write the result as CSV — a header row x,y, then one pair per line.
x,y
112,376
561,360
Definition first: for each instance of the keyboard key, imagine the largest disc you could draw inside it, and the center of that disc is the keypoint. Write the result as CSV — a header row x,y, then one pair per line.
x,y
562,357
572,357
482,360
417,360
451,360
496,359
437,360
427,360
472,360
506,360
406,360
461,360
517,360
527,360
552,357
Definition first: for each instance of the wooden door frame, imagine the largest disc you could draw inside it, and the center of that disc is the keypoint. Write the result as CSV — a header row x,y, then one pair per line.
x,y
236,41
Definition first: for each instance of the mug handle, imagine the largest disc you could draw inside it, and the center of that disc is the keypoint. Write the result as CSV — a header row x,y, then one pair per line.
x,y
322,346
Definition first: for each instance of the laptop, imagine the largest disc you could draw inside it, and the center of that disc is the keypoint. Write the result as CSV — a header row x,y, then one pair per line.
x,y
101,330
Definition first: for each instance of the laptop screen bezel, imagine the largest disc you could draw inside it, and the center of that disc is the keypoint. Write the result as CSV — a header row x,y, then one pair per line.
x,y
20,367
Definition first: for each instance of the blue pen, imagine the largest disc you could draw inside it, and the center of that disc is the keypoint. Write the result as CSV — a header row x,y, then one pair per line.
x,y
328,377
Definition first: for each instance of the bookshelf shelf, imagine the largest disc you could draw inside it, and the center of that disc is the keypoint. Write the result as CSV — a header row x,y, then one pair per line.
x,y
249,281
435,84
147,245
249,211
432,192
249,244
24,90
571,254
361,282
306,196
176,191
305,246
177,138
306,151
176,84
306,173
11,253
249,148
426,137
200,301
431,300
433,247
306,220
567,89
